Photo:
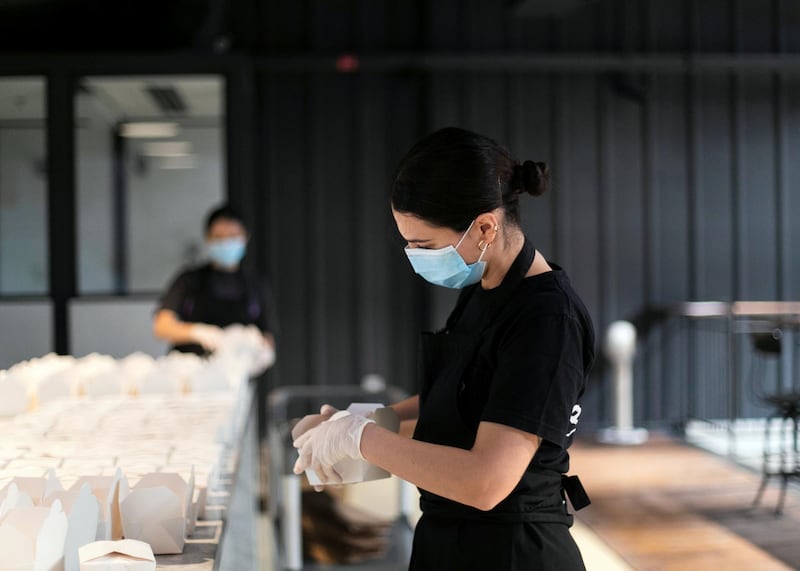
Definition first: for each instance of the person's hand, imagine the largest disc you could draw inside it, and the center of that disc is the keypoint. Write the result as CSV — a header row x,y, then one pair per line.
x,y
335,439
263,360
210,337
311,420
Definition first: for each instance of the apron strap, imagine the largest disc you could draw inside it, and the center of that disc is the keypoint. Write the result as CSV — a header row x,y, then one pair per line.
x,y
430,508
575,491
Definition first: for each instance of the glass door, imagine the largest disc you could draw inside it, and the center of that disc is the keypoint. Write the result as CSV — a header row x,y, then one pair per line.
x,y
150,165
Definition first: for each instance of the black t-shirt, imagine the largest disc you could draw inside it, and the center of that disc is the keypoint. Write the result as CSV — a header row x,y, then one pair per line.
x,y
207,295
531,368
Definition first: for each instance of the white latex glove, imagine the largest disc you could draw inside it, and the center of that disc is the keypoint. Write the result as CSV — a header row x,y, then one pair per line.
x,y
333,440
309,421
263,359
210,337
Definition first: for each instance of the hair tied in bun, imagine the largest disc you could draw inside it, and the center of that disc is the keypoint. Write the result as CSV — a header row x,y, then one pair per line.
x,y
531,177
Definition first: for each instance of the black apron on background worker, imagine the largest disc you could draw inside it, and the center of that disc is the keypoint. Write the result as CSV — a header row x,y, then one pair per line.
x,y
527,530
208,295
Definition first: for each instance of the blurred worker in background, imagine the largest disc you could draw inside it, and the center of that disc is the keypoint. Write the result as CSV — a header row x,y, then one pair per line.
x,y
201,301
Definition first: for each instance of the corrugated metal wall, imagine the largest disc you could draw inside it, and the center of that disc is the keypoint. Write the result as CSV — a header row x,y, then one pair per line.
x,y
669,185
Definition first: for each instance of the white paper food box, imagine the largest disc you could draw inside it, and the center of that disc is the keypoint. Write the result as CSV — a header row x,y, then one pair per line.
x,y
36,488
158,511
13,395
109,491
83,511
354,471
12,498
33,538
124,555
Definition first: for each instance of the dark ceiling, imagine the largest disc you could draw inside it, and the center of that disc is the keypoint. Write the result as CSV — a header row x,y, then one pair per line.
x,y
111,25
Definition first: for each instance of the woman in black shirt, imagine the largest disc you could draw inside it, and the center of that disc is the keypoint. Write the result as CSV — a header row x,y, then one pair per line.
x,y
201,301
499,399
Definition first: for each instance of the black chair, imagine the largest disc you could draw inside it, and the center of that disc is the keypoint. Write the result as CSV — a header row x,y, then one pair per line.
x,y
781,460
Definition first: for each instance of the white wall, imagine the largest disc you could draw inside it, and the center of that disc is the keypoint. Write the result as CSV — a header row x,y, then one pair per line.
x,y
25,331
166,210
93,200
23,212
116,327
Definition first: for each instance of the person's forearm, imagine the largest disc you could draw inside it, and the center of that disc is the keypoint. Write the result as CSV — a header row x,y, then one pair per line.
x,y
407,409
460,475
169,328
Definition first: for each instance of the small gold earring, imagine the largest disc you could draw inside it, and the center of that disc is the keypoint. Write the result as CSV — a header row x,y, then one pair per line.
x,y
482,245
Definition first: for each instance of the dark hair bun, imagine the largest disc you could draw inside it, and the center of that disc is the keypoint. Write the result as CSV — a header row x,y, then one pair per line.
x,y
531,177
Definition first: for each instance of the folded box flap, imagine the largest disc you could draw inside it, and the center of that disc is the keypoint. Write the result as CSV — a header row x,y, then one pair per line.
x,y
169,480
128,547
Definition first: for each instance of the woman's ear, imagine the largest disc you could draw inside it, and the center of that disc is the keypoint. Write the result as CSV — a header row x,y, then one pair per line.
x,y
488,225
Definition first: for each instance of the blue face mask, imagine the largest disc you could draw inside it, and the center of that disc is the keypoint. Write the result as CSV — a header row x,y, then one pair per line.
x,y
226,252
445,266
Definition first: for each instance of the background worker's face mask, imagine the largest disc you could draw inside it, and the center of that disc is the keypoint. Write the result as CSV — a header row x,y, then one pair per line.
x,y
226,252
445,266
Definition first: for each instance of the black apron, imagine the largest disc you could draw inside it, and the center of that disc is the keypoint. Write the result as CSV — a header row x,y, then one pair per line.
x,y
525,531
202,305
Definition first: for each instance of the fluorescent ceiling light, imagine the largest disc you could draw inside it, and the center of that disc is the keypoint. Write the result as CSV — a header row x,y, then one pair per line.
x,y
167,148
178,162
147,130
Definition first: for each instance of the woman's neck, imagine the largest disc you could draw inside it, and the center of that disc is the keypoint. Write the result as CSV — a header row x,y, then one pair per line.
x,y
226,269
499,257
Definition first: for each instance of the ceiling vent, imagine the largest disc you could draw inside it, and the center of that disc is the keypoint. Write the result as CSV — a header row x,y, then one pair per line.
x,y
168,100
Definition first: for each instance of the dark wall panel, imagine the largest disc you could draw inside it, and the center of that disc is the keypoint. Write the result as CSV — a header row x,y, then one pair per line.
x,y
445,30
332,25
408,300
486,105
285,26
580,189
485,25
333,305
756,24
790,210
348,303
583,30
288,173
624,293
789,23
371,241
668,240
668,192
759,223
578,195
713,197
666,187
713,25
667,25
531,134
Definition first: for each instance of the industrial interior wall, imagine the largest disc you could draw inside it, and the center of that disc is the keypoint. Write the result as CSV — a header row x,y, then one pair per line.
x,y
668,186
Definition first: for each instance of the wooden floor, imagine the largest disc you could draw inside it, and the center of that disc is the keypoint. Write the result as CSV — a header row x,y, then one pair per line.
x,y
668,506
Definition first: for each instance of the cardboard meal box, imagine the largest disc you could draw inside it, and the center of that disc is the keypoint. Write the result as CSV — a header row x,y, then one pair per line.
x,y
109,491
159,510
33,538
36,488
354,471
124,555
13,395
83,511
12,498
